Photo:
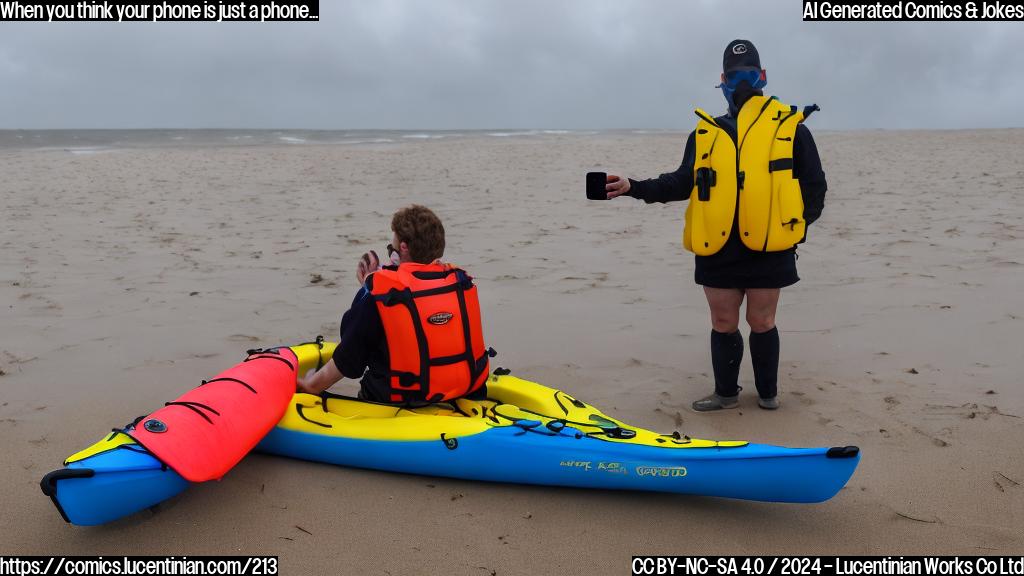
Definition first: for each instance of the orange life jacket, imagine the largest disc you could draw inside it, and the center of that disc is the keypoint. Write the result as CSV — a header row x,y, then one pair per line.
x,y
431,318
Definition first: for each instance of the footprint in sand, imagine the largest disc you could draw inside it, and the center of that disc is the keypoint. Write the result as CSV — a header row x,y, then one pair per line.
x,y
1003,482
968,411
935,440
802,397
675,416
17,360
922,519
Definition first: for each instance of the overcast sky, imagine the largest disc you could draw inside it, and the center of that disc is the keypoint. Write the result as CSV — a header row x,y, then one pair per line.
x,y
461,64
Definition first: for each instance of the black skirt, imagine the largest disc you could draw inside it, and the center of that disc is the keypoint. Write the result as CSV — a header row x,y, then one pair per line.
x,y
736,266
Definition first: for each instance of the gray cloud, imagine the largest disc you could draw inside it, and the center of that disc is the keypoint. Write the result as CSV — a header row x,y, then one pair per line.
x,y
501,64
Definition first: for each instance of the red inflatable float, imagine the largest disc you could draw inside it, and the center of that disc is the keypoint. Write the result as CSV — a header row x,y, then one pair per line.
x,y
204,433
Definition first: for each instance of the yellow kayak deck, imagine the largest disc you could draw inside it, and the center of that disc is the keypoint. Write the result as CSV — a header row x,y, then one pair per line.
x,y
511,401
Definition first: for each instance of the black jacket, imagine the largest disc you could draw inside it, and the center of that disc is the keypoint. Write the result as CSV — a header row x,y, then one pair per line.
x,y
674,186
363,349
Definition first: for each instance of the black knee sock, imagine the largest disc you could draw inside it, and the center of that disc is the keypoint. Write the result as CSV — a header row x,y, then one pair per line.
x,y
726,355
764,355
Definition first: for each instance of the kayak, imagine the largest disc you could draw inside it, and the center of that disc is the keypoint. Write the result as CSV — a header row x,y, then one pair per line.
x,y
523,433
528,433
196,438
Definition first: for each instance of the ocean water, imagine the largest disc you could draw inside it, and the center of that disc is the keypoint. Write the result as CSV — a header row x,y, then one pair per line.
x,y
98,141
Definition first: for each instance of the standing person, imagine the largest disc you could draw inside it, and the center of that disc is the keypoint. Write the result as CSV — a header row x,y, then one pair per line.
x,y
413,333
754,182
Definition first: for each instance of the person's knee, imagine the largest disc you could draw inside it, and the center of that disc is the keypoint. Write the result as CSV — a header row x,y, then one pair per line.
x,y
725,323
760,321
725,310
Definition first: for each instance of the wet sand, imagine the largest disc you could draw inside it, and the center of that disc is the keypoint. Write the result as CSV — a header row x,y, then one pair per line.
x,y
127,276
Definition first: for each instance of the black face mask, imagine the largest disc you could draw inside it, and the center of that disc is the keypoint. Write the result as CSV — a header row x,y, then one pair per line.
x,y
740,96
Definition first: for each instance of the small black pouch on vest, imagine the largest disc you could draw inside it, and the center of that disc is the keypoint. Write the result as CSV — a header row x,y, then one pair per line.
x,y
704,180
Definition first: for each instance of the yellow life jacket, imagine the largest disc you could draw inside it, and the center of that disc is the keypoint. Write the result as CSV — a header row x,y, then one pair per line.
x,y
752,180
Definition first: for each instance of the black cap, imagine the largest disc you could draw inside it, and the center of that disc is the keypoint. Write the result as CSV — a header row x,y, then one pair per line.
x,y
740,55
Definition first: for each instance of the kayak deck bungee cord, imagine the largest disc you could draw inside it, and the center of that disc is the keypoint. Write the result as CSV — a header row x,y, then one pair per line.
x,y
523,433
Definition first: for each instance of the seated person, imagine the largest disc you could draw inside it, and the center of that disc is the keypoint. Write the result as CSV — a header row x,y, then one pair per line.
x,y
413,333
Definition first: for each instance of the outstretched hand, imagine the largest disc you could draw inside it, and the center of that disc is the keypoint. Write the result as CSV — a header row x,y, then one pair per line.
x,y
367,264
305,385
320,380
616,186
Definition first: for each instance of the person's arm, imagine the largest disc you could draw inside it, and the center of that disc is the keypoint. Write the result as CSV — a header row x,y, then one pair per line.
x,y
361,332
324,378
807,169
669,187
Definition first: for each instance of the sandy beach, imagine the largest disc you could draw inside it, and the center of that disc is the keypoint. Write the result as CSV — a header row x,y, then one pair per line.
x,y
128,275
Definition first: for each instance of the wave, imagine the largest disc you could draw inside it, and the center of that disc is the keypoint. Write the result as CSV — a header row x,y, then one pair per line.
x,y
516,133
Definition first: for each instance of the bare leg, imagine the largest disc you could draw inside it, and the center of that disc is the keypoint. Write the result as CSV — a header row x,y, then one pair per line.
x,y
725,308
761,306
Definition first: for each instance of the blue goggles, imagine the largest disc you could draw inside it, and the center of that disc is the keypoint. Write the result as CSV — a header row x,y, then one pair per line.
x,y
753,77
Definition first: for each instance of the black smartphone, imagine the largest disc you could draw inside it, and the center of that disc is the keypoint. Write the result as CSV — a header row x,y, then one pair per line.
x,y
595,185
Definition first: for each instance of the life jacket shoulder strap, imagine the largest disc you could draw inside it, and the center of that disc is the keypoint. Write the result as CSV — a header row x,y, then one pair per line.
x,y
706,117
395,286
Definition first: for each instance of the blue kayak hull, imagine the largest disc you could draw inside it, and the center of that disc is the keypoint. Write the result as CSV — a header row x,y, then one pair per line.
x,y
120,482
111,485
509,454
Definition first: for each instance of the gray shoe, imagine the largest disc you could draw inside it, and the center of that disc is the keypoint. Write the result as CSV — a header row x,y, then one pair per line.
x,y
768,403
716,402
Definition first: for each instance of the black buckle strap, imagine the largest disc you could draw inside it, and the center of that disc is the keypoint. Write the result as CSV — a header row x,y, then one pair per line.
x,y
405,379
424,275
481,362
395,296
705,179
454,359
780,164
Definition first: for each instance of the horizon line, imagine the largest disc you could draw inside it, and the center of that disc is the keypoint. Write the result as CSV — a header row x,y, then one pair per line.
x,y
662,129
